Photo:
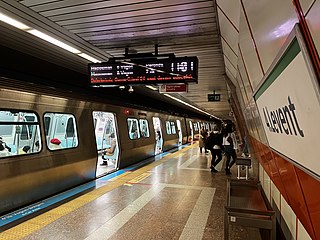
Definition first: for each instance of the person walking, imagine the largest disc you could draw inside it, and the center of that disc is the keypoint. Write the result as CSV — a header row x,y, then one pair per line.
x,y
215,146
230,146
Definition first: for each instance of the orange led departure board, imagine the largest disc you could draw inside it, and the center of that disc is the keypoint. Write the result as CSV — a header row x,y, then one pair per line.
x,y
144,71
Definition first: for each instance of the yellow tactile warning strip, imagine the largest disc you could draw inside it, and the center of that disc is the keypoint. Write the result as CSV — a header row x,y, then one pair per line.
x,y
26,228
138,179
117,177
20,231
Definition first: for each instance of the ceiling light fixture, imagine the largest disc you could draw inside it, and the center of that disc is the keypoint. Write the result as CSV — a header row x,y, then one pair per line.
x,y
12,22
53,41
39,34
189,105
152,87
86,56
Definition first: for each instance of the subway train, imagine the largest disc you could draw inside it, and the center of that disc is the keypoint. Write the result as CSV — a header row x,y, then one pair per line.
x,y
53,140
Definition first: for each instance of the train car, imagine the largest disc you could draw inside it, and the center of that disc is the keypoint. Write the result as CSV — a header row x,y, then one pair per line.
x,y
52,140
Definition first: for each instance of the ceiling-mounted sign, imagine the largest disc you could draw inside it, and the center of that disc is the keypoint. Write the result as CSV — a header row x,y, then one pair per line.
x,y
214,97
170,88
145,71
289,105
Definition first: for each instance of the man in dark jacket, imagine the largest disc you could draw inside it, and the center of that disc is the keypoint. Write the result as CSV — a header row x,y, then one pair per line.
x,y
215,146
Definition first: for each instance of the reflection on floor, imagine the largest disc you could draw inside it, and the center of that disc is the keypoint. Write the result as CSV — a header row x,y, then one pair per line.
x,y
175,197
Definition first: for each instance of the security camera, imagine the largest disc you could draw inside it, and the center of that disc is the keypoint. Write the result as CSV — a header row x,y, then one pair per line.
x,y
130,89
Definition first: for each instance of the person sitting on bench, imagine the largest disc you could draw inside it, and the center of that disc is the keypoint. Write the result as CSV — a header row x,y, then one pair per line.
x,y
109,151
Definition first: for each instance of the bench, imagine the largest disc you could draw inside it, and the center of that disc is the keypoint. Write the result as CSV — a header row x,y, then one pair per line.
x,y
243,162
248,206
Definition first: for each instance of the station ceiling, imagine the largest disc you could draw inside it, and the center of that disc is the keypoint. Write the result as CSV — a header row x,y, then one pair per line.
x,y
103,29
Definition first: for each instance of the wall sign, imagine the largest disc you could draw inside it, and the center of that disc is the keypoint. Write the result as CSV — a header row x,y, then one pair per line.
x,y
214,97
288,101
169,88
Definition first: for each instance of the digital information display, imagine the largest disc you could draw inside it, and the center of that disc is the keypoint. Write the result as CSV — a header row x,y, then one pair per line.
x,y
213,97
161,71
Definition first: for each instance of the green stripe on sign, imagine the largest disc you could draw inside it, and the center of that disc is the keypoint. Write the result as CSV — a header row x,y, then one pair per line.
x,y
285,60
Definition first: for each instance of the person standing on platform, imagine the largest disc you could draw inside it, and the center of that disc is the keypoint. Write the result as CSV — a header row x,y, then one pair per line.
x,y
230,146
245,151
202,139
215,146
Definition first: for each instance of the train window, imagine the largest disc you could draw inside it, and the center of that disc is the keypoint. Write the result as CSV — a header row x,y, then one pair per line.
x,y
19,133
61,131
144,128
26,132
47,122
70,128
173,128
168,127
133,127
195,125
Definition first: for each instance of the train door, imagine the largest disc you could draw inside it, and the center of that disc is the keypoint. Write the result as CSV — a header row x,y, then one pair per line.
x,y
107,142
196,130
191,130
179,132
158,134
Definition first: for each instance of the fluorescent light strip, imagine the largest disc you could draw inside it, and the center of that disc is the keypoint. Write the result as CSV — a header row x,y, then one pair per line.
x,y
151,87
86,56
13,22
189,105
53,41
17,24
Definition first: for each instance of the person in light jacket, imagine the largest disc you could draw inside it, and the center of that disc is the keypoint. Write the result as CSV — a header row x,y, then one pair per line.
x,y
230,146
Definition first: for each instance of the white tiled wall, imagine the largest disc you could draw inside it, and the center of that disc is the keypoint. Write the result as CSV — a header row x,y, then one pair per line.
x,y
288,219
276,196
302,233
305,5
269,32
266,185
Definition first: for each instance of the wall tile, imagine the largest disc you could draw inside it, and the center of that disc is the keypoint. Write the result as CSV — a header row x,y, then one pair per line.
x,y
305,5
267,185
293,192
310,187
288,222
313,22
270,32
302,233
248,52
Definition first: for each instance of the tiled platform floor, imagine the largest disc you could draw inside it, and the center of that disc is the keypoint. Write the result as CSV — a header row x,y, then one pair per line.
x,y
175,197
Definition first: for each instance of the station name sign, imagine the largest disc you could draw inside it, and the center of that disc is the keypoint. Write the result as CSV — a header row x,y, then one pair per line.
x,y
145,71
289,112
